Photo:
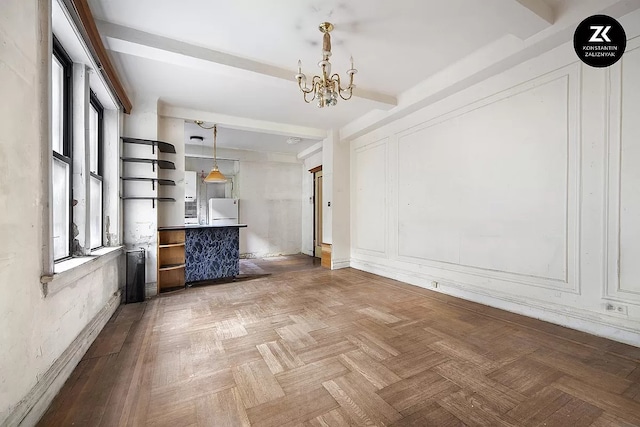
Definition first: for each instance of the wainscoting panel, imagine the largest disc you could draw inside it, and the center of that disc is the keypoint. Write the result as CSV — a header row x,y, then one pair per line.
x,y
492,188
370,210
623,249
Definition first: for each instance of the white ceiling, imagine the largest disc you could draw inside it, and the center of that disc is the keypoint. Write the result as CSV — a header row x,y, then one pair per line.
x,y
243,140
238,58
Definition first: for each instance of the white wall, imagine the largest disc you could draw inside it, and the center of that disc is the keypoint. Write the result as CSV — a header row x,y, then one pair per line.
x,y
141,216
514,193
270,204
35,331
336,196
269,188
171,130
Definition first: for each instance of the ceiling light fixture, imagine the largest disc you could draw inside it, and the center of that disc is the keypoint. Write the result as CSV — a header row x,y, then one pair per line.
x,y
293,140
215,175
325,88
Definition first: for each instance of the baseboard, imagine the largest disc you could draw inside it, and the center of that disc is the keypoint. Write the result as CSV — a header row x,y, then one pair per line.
x,y
581,320
31,408
337,264
254,255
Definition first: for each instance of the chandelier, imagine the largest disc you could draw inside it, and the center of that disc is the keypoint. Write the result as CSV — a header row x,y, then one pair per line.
x,y
325,88
215,175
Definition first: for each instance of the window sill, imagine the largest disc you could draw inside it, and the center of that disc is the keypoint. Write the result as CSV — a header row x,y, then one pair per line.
x,y
70,271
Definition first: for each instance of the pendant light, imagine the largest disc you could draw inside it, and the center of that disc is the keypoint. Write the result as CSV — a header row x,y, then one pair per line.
x,y
215,176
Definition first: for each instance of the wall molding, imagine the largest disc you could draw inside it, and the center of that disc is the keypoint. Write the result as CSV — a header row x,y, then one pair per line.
x,y
384,144
571,282
31,408
627,331
612,288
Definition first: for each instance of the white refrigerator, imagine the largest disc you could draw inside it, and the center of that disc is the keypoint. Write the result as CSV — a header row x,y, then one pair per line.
x,y
223,211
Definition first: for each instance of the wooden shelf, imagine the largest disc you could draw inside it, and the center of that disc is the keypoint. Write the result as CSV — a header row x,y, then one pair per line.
x,y
171,245
162,164
170,267
164,147
171,259
154,180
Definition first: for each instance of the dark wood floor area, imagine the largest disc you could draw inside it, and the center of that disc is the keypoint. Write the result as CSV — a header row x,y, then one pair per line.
x,y
312,347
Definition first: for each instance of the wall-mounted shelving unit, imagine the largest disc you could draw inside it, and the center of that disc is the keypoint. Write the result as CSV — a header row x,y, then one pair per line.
x,y
163,147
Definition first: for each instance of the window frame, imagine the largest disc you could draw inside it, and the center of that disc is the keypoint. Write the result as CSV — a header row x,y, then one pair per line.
x,y
95,103
66,156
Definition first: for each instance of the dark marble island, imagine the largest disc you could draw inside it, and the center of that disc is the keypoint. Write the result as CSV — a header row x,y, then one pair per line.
x,y
210,251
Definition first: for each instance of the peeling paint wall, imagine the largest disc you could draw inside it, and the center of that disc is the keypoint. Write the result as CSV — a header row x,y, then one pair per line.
x,y
171,130
141,216
270,204
34,331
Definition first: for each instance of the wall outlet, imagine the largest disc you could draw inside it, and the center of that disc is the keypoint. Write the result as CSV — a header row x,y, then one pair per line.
x,y
434,284
616,308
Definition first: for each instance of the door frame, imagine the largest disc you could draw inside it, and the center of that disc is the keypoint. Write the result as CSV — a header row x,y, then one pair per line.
x,y
317,216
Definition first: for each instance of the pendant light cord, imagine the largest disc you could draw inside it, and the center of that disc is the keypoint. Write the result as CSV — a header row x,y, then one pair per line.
x,y
215,134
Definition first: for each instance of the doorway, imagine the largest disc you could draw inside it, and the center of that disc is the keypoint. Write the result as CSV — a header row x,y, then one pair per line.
x,y
317,211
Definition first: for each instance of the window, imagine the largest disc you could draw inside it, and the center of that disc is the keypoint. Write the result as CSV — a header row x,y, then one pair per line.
x,y
95,169
61,71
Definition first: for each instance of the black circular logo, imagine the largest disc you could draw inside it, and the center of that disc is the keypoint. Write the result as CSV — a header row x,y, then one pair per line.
x,y
599,41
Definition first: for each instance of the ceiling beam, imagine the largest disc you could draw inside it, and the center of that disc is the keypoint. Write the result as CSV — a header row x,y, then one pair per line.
x,y
139,43
242,123
315,148
540,8
532,16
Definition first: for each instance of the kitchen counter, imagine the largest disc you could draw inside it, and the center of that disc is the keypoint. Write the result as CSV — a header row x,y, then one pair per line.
x,y
198,226
211,251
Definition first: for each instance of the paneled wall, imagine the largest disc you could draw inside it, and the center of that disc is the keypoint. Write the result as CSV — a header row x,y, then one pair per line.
x,y
522,192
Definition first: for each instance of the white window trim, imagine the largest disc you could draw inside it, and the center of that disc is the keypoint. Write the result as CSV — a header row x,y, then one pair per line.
x,y
69,271
57,275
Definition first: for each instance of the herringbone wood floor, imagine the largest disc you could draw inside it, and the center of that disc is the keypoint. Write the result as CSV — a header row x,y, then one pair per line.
x,y
314,347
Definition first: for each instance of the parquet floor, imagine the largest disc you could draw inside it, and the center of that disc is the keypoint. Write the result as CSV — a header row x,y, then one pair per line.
x,y
314,347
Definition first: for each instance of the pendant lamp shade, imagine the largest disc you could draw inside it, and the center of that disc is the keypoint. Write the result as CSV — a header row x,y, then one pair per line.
x,y
215,176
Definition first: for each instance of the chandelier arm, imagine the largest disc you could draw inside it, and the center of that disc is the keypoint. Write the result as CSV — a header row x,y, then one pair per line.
x,y
349,89
305,88
305,97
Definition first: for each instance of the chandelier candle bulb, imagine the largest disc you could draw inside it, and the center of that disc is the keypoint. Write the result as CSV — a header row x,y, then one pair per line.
x,y
325,88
